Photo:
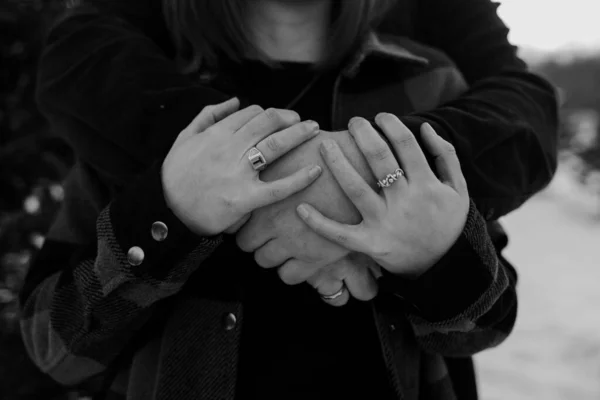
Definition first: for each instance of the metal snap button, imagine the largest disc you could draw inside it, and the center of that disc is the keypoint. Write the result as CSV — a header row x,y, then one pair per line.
x,y
135,256
229,321
160,231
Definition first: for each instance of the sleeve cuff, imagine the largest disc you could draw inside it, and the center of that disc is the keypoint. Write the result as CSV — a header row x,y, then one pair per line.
x,y
142,220
453,284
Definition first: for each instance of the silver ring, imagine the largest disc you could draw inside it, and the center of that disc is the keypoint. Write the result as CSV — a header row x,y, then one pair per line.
x,y
390,178
257,159
329,297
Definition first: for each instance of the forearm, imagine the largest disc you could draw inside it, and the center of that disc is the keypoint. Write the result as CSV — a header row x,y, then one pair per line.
x,y
76,320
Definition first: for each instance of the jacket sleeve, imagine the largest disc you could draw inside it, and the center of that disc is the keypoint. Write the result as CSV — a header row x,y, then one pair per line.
x,y
103,84
85,300
120,102
507,118
467,302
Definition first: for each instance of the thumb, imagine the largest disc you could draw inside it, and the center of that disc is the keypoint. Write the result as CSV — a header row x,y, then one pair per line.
x,y
209,116
212,114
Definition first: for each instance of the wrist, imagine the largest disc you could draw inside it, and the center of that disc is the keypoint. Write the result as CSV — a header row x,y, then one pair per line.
x,y
178,208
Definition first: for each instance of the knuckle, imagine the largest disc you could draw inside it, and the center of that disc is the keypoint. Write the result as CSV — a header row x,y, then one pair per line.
x,y
378,251
258,258
243,243
231,203
310,258
369,294
272,115
264,259
210,109
341,238
404,141
340,302
294,116
287,276
255,108
449,149
363,294
276,193
429,191
356,192
273,144
379,154
317,225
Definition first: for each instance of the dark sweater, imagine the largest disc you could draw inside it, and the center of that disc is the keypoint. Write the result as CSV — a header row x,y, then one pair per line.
x,y
328,352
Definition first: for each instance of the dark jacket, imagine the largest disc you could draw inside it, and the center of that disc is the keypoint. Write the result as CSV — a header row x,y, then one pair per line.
x,y
506,106
84,303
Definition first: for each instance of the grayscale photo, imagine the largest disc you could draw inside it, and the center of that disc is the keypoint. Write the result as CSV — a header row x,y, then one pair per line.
x,y
299,200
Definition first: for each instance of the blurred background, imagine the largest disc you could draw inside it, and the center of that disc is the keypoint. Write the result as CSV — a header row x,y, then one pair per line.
x,y
554,352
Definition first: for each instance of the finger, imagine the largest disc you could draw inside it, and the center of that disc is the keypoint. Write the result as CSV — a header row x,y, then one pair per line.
x,y
380,157
358,191
274,146
267,193
208,117
446,161
407,149
351,237
254,234
264,124
294,271
326,285
375,270
360,282
271,255
237,120
212,114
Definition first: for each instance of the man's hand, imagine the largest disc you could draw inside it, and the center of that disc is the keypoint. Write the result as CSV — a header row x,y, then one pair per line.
x,y
276,234
354,275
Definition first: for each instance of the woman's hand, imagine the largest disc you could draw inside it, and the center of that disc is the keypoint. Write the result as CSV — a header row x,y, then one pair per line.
x,y
414,221
208,179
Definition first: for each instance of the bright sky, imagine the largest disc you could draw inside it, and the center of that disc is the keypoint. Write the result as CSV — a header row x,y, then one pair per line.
x,y
553,24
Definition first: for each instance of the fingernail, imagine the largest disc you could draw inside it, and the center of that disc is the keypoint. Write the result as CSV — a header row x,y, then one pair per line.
x,y
313,126
429,128
353,120
302,211
314,172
